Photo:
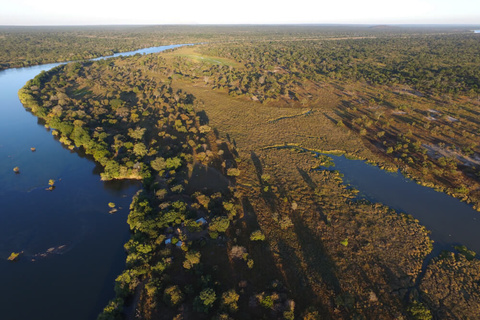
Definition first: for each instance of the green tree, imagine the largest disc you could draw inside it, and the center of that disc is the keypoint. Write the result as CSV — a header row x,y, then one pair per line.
x,y
419,311
192,258
137,133
204,301
230,299
257,235
140,149
158,164
173,296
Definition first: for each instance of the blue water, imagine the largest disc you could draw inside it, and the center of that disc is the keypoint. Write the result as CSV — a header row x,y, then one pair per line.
x,y
75,281
451,221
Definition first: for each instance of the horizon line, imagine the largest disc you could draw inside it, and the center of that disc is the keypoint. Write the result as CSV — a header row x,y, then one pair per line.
x,y
243,24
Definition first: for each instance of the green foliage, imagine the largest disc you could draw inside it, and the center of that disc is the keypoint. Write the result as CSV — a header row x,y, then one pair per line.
x,y
419,311
257,235
173,296
158,164
219,224
230,208
126,283
230,299
113,310
205,300
266,302
192,258
469,254
173,163
288,315
140,149
137,133
233,172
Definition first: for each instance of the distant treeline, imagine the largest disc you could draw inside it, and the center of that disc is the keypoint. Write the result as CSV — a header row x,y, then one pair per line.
x,y
429,63
24,46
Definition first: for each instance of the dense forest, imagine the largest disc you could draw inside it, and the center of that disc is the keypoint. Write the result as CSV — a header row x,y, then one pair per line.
x,y
237,219
57,44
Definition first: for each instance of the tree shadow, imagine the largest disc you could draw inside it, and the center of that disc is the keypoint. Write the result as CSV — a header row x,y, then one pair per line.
x,y
258,165
313,186
316,255
307,178
203,117
296,280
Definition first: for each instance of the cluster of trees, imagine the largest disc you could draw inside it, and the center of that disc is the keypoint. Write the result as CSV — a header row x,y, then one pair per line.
x,y
119,116
136,126
435,142
429,63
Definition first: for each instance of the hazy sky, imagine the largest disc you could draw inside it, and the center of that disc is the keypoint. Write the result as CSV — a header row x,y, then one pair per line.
x,y
56,12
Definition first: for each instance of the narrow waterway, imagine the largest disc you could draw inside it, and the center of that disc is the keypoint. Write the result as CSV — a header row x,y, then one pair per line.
x,y
72,247
450,221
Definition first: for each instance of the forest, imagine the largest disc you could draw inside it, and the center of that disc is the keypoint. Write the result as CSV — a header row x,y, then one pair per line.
x,y
235,219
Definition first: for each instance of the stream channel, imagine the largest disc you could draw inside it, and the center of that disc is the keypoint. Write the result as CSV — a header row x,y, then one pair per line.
x,y
450,221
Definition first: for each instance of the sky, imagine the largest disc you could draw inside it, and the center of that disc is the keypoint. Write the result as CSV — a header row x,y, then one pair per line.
x,y
107,12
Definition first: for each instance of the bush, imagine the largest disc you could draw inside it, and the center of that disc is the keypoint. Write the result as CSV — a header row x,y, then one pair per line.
x,y
113,310
257,235
173,296
191,259
204,301
229,300
233,172
419,311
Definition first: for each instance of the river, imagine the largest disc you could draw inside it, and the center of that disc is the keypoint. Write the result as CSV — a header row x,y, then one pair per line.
x,y
72,246
450,221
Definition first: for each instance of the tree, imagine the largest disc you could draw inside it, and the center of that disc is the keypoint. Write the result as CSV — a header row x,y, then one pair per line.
x,y
137,133
173,163
173,295
140,149
158,164
204,301
191,259
419,311
257,235
233,172
230,299
218,224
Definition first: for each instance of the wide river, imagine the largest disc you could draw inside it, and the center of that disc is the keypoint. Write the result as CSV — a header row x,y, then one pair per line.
x,y
72,247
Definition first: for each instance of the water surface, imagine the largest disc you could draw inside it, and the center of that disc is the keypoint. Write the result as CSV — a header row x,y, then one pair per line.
x,y
451,221
72,247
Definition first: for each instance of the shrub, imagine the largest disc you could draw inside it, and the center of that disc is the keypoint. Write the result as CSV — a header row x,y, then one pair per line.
x,y
419,311
229,300
257,235
173,296
233,172
191,259
204,301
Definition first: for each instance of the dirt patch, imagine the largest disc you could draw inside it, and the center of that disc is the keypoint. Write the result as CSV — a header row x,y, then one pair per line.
x,y
436,152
